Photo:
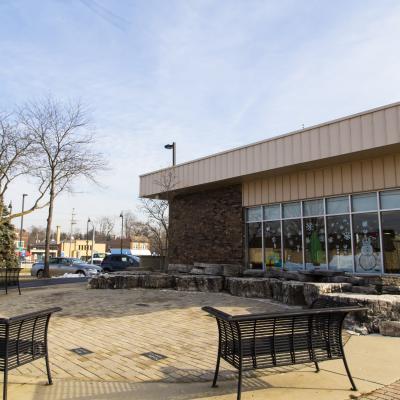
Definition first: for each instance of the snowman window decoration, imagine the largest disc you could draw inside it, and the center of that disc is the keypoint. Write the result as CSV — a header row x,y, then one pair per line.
x,y
366,259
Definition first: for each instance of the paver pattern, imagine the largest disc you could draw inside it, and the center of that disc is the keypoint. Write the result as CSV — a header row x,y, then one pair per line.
x,y
390,392
118,326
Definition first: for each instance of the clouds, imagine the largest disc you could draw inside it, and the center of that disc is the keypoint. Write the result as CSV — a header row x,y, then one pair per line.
x,y
208,74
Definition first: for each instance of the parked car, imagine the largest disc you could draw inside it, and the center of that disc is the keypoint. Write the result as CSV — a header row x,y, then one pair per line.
x,y
65,265
97,258
119,262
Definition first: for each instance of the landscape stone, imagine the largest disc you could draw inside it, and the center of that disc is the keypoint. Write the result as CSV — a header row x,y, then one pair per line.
x,y
254,273
231,269
364,290
199,283
362,330
207,269
390,328
179,268
249,287
157,281
293,293
380,308
314,290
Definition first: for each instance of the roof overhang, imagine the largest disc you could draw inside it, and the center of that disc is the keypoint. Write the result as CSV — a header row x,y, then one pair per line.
x,y
367,134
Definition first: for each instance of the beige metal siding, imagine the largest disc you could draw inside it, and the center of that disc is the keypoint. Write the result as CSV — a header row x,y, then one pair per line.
x,y
365,131
373,174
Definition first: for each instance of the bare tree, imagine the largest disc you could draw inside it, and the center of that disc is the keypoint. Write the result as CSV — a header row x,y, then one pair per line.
x,y
156,211
17,152
106,226
66,153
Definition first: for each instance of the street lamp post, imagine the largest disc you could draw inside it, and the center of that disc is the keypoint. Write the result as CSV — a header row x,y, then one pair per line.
x,y
22,221
87,238
93,233
122,228
173,148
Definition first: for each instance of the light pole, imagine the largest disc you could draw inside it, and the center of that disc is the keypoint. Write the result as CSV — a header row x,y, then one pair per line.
x,y
10,208
93,233
87,238
89,221
173,147
22,221
122,228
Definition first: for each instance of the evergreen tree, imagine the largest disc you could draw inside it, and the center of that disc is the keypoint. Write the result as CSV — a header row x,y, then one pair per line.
x,y
8,258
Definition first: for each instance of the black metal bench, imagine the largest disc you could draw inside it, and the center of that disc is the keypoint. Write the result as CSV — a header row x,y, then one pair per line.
x,y
23,339
9,277
270,340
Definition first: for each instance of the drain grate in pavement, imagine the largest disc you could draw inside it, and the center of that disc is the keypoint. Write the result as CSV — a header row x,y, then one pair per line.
x,y
143,305
154,356
81,351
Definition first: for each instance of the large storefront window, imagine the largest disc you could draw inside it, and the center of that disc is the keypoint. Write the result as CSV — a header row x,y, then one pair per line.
x,y
272,244
391,241
254,245
314,238
340,254
351,233
367,248
292,244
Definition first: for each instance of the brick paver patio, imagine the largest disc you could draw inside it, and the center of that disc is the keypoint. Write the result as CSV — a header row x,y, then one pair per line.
x,y
119,326
390,392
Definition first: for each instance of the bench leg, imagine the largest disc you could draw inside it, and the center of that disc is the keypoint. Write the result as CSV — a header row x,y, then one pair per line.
x,y
19,289
239,391
353,385
216,371
5,384
316,367
48,370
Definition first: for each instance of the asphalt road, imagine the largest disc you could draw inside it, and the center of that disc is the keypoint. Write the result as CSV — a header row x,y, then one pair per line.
x,y
50,282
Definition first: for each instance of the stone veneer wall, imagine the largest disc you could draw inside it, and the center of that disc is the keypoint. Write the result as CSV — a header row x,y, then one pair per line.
x,y
207,227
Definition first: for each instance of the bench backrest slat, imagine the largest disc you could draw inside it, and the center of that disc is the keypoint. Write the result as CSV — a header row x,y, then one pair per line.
x,y
24,338
267,340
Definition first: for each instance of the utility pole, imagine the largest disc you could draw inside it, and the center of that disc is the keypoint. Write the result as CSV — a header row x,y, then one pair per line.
x,y
73,222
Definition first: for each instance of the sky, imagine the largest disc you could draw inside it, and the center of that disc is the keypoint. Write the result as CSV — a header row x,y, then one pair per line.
x,y
207,74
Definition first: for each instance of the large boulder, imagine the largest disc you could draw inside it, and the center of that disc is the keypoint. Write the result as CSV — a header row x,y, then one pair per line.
x,y
253,273
199,283
249,287
179,268
293,293
380,308
364,289
313,290
207,269
231,269
158,281
390,328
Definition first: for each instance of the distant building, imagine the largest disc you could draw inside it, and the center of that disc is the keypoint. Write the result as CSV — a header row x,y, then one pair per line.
x,y
80,248
138,246
36,251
